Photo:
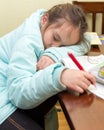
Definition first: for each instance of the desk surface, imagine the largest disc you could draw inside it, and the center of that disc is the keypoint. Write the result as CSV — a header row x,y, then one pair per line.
x,y
85,112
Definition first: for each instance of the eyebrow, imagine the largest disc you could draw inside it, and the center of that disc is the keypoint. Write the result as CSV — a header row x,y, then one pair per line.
x,y
57,36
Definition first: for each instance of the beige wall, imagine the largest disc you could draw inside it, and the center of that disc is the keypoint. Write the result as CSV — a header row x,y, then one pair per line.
x,y
13,12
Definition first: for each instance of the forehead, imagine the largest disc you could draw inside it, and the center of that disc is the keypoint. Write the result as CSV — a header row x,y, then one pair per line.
x,y
67,31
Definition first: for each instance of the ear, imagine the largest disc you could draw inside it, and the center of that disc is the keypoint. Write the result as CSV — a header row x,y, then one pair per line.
x,y
44,19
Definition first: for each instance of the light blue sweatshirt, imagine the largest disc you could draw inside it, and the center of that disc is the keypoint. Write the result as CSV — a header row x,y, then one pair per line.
x,y
20,85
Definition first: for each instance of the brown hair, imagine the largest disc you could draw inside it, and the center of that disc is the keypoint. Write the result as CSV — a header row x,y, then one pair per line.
x,y
72,13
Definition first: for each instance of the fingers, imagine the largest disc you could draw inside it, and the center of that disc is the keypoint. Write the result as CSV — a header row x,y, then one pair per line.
x,y
79,89
77,80
80,86
44,62
85,82
90,78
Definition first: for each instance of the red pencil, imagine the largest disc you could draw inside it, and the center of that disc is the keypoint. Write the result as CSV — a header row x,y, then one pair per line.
x,y
75,61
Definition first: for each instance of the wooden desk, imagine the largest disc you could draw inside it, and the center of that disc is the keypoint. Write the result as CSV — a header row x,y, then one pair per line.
x,y
85,112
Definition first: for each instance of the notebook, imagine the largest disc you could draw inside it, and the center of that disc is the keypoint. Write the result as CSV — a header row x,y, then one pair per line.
x,y
95,40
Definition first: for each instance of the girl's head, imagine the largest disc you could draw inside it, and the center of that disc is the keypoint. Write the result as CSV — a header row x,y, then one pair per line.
x,y
63,24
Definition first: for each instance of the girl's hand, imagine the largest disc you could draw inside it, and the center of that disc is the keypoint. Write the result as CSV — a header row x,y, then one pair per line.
x,y
44,62
77,80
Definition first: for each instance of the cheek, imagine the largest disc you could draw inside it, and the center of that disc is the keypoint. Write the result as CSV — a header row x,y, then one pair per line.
x,y
74,38
47,39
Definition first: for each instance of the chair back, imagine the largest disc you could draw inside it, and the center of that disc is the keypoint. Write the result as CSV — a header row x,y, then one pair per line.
x,y
93,8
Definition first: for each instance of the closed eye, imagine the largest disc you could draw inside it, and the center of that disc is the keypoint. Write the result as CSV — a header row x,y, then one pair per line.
x,y
56,37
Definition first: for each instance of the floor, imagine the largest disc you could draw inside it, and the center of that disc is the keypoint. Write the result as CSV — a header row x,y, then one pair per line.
x,y
63,125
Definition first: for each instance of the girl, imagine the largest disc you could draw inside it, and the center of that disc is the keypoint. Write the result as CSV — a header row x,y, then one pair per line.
x,y
31,74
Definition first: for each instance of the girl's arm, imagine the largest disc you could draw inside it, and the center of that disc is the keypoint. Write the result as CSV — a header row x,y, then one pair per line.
x,y
57,53
28,87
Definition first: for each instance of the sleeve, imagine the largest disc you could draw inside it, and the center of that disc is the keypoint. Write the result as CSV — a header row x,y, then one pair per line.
x,y
57,53
28,88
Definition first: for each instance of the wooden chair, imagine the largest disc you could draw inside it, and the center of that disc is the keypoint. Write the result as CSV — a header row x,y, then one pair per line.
x,y
93,8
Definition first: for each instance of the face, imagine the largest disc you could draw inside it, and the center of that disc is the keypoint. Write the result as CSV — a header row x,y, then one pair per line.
x,y
60,33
